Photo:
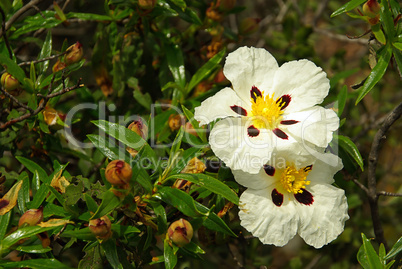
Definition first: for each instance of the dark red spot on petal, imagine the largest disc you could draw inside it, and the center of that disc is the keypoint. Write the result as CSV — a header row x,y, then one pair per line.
x,y
284,101
255,92
269,170
3,203
239,110
279,133
252,131
289,122
277,198
308,168
305,197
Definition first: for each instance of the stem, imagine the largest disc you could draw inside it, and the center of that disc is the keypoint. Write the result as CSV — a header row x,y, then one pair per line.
x,y
4,34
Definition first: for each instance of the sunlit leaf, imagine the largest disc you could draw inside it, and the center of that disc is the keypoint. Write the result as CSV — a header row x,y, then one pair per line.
x,y
9,200
350,148
347,7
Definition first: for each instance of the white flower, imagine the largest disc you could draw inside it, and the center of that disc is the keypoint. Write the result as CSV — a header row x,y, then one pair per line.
x,y
285,199
269,108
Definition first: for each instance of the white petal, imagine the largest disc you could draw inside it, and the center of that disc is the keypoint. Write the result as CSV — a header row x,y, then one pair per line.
x,y
253,181
270,223
230,141
306,83
218,106
325,168
247,67
315,126
324,220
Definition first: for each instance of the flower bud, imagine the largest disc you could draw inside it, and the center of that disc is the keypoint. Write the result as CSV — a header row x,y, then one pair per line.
x,y
101,228
176,121
118,172
146,4
139,127
58,66
31,217
371,8
9,82
180,232
74,54
50,115
249,26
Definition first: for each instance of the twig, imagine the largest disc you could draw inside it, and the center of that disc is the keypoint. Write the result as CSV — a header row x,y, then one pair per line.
x,y
372,165
19,13
361,186
339,37
16,100
4,34
385,193
44,59
42,103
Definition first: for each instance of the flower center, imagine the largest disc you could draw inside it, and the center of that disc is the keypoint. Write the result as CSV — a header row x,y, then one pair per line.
x,y
294,180
266,112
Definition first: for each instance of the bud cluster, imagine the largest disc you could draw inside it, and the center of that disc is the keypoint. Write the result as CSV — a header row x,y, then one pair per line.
x,y
74,55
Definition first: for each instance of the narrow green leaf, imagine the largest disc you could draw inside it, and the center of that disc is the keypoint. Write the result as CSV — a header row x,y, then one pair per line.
x,y
398,58
91,204
88,16
13,69
378,33
108,204
111,153
33,249
347,7
211,184
109,246
206,70
39,197
23,194
123,230
362,258
45,52
92,259
161,216
81,234
341,100
185,157
176,64
377,73
180,200
35,264
387,21
350,148
32,167
4,221
397,45
381,254
370,254
59,197
202,132
19,234
395,250
168,254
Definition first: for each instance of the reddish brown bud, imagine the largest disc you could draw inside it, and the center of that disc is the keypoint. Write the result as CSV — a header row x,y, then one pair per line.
x,y
118,173
31,217
101,228
249,26
371,8
146,4
180,232
9,82
139,128
176,121
74,54
58,66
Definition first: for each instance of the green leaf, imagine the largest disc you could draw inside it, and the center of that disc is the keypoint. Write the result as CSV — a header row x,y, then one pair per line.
x,y
202,132
81,234
350,148
347,7
387,21
108,204
213,222
44,19
178,199
35,264
128,138
123,230
341,100
377,73
395,250
342,75
4,221
109,246
211,184
180,3
168,254
397,45
23,194
161,216
369,256
33,249
378,33
39,196
88,16
44,53
111,153
19,234
91,204
176,64
206,70
13,69
398,58
32,167
92,259
185,157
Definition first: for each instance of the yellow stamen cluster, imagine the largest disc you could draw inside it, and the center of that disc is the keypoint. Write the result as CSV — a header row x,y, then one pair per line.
x,y
294,180
266,112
